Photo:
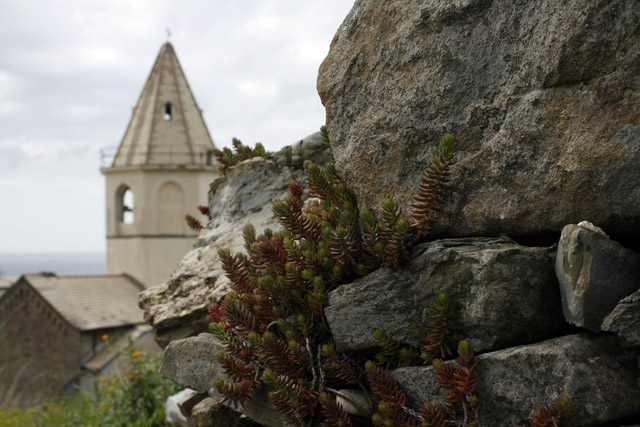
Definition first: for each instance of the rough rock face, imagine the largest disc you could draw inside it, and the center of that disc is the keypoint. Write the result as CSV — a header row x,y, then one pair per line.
x,y
542,97
199,355
598,376
595,273
191,362
177,308
624,320
502,294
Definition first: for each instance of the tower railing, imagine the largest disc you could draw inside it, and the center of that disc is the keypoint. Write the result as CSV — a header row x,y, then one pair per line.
x,y
159,158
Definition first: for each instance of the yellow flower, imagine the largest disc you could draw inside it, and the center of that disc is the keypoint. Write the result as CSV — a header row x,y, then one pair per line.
x,y
106,408
110,389
86,399
137,353
103,379
130,376
115,380
104,337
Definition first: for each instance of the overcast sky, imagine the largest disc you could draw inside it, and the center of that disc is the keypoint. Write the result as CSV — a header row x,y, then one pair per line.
x,y
72,70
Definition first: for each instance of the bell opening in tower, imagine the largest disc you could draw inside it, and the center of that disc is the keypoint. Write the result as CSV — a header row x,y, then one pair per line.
x,y
124,205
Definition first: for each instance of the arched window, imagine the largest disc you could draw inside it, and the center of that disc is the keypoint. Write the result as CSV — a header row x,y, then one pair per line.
x,y
168,114
124,205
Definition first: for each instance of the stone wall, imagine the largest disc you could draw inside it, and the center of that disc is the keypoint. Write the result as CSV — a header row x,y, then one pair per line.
x,y
542,99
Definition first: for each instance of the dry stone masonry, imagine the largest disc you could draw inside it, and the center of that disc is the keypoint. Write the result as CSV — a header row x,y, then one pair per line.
x,y
595,372
543,100
502,294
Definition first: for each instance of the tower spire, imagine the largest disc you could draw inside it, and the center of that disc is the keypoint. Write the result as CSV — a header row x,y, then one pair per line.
x,y
166,127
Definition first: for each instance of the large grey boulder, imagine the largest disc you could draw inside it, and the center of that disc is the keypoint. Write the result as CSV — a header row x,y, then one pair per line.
x,y
594,372
595,273
191,362
501,294
244,195
542,97
624,320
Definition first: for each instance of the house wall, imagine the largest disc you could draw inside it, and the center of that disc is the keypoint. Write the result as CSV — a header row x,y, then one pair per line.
x,y
40,350
114,363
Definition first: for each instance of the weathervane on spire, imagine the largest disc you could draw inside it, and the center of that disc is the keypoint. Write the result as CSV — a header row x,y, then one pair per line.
x,y
168,33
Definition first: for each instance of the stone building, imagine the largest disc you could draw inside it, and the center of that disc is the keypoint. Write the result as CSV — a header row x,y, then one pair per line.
x,y
51,330
161,171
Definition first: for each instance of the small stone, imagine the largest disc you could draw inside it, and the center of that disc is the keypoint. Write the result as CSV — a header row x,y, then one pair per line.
x,y
191,362
355,402
590,226
211,413
595,273
624,320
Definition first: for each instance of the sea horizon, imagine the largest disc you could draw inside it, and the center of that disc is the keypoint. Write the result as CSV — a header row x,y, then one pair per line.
x,y
60,263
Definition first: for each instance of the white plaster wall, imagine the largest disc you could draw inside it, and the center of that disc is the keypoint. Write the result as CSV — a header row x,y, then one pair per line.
x,y
151,247
149,260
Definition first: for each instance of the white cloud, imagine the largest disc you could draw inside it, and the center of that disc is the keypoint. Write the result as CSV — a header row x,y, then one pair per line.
x,y
8,83
10,107
259,89
312,52
98,56
262,23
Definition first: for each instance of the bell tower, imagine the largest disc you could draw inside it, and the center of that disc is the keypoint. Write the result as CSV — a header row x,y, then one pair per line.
x,y
161,171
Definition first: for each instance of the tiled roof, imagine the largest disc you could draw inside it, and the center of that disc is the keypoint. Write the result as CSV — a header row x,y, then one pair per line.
x,y
6,282
91,302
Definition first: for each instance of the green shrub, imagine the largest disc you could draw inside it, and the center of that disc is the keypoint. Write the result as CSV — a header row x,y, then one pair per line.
x,y
240,152
133,399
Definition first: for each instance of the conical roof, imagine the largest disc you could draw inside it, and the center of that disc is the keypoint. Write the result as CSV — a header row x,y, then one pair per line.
x,y
166,128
